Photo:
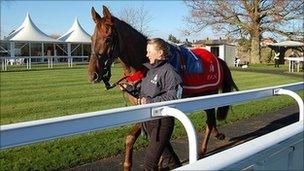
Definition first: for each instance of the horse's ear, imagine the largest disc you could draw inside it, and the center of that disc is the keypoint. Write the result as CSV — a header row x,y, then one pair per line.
x,y
107,15
96,17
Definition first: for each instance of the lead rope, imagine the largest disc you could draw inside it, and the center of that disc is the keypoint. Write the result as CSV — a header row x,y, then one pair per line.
x,y
124,97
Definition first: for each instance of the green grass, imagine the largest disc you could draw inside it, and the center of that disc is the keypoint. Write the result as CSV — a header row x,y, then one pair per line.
x,y
43,93
32,95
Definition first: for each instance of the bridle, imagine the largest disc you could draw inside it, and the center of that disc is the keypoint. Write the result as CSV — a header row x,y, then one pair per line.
x,y
109,56
112,53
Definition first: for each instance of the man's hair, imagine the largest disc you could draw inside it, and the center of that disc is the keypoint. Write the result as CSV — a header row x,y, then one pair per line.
x,y
160,44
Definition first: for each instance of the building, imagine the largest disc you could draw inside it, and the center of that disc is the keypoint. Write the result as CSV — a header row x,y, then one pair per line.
x,y
221,48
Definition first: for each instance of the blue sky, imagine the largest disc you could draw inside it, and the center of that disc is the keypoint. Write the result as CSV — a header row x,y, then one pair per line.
x,y
167,17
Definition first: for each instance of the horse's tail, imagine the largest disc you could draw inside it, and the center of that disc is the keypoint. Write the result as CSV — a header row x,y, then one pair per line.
x,y
228,85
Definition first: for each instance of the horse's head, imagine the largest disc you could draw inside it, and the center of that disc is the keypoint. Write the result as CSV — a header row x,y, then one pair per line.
x,y
104,47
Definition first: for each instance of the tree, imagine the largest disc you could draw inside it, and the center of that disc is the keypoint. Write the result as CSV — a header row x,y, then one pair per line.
x,y
247,18
139,18
173,39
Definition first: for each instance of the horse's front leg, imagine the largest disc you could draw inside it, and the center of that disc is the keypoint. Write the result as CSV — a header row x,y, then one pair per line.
x,y
130,141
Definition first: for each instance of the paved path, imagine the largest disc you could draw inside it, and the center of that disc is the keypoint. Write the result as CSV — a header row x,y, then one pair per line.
x,y
236,133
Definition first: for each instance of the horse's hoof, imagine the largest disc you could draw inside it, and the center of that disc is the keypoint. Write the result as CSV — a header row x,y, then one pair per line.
x,y
202,154
220,136
127,167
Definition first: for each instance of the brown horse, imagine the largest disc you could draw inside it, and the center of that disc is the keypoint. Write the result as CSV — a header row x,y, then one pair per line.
x,y
113,38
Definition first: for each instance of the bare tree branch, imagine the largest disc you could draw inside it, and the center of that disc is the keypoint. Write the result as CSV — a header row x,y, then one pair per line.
x,y
246,18
139,18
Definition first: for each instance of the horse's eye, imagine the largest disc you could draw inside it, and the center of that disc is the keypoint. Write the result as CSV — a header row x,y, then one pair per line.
x,y
108,40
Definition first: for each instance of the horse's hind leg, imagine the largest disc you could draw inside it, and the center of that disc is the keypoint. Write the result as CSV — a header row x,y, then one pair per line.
x,y
211,122
130,141
211,126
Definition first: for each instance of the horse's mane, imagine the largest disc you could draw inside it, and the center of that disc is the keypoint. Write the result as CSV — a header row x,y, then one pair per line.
x,y
129,28
132,44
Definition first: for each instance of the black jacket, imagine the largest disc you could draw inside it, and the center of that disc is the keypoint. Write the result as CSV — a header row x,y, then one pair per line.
x,y
161,83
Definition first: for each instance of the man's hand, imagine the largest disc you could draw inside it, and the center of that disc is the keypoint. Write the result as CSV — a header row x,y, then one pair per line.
x,y
142,100
122,86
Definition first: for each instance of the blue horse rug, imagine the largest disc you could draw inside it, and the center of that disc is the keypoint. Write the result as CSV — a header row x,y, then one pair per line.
x,y
184,60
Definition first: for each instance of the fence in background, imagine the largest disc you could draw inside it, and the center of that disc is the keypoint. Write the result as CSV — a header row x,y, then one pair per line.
x,y
51,60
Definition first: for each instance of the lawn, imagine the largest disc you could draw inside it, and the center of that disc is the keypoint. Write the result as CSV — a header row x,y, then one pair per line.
x,y
43,93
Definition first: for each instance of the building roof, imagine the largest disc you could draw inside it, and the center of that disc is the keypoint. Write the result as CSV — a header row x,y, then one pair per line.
x,y
288,43
267,41
211,42
76,34
28,31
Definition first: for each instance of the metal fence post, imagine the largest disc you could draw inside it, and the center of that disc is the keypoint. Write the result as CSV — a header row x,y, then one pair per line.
x,y
296,97
192,139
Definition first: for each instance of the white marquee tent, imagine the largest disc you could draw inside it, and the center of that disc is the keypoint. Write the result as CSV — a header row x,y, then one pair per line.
x,y
78,41
29,42
29,32
76,34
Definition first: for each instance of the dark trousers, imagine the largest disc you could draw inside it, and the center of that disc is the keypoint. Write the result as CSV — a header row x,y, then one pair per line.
x,y
159,132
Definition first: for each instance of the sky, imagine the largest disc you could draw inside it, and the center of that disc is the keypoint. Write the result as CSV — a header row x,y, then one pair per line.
x,y
56,17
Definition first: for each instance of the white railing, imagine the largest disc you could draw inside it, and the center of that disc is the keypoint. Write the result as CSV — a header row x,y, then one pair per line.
x,y
35,131
278,150
50,60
